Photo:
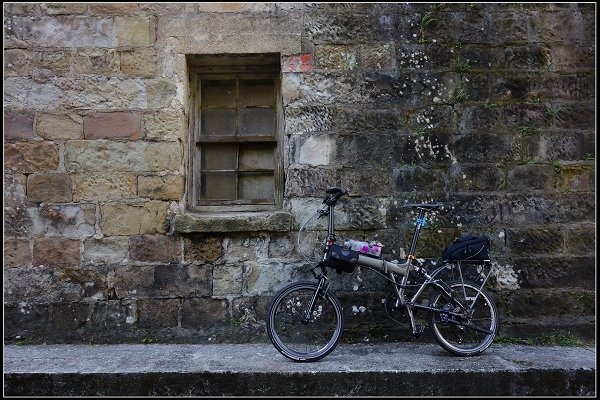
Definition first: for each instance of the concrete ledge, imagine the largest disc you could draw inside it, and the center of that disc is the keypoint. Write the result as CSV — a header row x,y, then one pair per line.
x,y
391,369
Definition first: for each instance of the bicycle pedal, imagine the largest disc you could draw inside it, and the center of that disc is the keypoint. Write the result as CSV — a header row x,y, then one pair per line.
x,y
417,335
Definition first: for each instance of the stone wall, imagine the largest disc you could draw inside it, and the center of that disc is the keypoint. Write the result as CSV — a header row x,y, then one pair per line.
x,y
486,107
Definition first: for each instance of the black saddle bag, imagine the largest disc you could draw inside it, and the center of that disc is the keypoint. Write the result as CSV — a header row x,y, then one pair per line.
x,y
468,248
343,260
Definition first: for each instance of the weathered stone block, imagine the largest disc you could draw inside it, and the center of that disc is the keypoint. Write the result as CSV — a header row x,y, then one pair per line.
x,y
63,220
160,93
300,120
140,62
63,8
17,221
243,248
164,126
553,145
113,8
153,248
477,178
176,280
204,313
508,27
240,222
70,31
485,147
535,240
120,219
377,56
532,57
335,57
528,303
108,250
362,213
31,157
360,184
325,28
25,320
200,249
531,177
84,156
18,62
14,190
480,57
50,188
56,251
368,122
16,253
166,8
418,179
267,276
161,187
581,240
552,272
431,56
576,177
135,31
104,187
364,149
316,150
113,125
157,313
64,320
21,8
59,126
18,125
54,63
227,280
38,285
111,315
309,181
94,92
96,62
234,7
14,32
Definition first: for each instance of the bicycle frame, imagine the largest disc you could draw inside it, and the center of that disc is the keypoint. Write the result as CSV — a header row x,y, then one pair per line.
x,y
395,270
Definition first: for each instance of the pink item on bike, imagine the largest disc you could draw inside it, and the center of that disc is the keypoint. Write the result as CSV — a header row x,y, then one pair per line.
x,y
369,248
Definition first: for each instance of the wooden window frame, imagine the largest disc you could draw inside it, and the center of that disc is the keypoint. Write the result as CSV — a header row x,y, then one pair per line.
x,y
238,67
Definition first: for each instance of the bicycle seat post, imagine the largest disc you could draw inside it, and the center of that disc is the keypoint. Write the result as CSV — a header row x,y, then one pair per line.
x,y
421,222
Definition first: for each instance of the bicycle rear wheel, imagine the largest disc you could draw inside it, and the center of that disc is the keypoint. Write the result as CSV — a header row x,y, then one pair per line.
x,y
297,338
467,322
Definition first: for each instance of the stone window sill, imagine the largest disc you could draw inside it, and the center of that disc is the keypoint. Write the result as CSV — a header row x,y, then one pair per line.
x,y
270,221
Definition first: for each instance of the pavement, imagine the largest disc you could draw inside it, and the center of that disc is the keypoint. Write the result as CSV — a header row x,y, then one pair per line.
x,y
257,369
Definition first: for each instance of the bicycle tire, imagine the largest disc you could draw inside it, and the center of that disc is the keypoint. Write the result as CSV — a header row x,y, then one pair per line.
x,y
295,338
451,332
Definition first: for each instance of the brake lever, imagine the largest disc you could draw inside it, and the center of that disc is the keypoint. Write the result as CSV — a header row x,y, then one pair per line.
x,y
322,213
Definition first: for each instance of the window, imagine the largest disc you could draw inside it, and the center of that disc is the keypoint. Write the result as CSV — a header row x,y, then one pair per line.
x,y
235,130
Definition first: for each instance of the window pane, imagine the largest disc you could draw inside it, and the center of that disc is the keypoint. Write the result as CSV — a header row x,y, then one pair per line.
x,y
257,92
257,121
218,186
257,156
217,122
218,93
255,186
218,156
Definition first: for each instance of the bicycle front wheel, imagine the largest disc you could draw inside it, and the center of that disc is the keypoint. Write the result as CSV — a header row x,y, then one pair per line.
x,y
467,322
296,337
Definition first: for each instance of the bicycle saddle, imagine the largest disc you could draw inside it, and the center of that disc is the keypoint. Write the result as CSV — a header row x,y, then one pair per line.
x,y
425,206
336,190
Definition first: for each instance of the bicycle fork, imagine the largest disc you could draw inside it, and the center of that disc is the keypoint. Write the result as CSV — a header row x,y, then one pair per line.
x,y
322,288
